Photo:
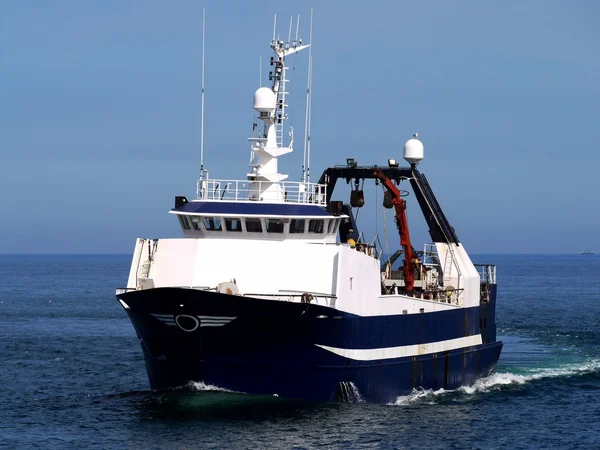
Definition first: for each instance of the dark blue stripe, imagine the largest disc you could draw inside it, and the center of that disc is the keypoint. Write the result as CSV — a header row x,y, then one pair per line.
x,y
258,208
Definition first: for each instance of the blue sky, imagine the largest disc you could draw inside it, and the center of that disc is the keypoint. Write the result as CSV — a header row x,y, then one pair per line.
x,y
100,112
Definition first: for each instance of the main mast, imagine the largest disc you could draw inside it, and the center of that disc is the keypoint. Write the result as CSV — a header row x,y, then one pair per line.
x,y
270,103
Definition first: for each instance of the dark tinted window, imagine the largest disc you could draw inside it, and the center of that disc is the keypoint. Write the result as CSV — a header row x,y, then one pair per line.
x,y
333,226
233,224
184,222
330,226
315,226
196,222
297,226
253,226
274,225
212,223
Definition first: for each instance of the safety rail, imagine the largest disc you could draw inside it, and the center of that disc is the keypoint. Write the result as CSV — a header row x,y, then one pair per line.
x,y
242,190
487,273
306,297
450,296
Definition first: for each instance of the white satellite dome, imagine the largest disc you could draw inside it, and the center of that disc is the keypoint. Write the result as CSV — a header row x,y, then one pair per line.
x,y
264,100
413,150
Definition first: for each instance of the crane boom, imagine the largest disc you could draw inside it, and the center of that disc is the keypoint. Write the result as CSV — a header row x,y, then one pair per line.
x,y
402,224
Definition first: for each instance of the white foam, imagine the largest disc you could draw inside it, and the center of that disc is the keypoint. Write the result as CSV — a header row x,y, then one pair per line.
x,y
500,380
201,386
417,395
568,370
493,382
356,396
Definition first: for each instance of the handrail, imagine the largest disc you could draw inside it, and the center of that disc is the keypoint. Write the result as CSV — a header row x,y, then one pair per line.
x,y
243,190
487,274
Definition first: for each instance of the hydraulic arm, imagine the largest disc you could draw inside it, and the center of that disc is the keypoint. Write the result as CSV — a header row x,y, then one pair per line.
x,y
399,205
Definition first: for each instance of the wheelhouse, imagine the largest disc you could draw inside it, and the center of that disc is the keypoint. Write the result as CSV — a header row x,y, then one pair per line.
x,y
249,220
257,227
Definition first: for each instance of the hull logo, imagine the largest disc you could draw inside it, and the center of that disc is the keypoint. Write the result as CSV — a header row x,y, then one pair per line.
x,y
187,323
191,323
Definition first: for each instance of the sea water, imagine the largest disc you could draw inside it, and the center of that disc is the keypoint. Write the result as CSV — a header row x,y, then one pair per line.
x,y
72,373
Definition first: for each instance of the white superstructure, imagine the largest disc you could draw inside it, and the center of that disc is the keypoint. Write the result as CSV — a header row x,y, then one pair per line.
x,y
275,239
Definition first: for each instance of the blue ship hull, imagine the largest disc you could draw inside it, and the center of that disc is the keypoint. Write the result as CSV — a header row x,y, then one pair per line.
x,y
269,347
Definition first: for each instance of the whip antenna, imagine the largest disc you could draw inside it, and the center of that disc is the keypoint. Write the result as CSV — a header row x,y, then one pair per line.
x,y
202,113
309,98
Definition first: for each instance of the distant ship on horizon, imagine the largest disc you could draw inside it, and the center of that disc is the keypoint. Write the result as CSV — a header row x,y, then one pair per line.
x,y
586,252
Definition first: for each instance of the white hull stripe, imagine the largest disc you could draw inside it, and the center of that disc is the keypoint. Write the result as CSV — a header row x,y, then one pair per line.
x,y
373,354
167,319
216,318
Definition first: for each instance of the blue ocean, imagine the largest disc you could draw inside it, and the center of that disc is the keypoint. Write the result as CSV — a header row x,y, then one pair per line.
x,y
72,373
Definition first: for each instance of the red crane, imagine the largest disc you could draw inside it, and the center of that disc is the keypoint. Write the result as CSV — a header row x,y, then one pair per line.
x,y
400,208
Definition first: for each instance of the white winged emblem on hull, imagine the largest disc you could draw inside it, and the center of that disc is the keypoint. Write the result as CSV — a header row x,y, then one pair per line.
x,y
192,323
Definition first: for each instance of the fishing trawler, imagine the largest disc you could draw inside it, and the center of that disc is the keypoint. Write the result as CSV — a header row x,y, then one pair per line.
x,y
273,290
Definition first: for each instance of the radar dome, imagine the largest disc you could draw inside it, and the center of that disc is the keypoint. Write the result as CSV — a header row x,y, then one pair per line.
x,y
264,100
413,150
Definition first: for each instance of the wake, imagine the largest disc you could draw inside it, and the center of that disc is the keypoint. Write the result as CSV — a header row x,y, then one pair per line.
x,y
499,381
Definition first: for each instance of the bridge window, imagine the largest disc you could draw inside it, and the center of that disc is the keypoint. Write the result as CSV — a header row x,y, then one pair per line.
x,y
274,225
315,225
297,226
196,222
332,228
212,223
253,225
184,222
233,224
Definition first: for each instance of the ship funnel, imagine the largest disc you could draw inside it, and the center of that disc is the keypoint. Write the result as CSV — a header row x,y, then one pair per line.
x,y
413,150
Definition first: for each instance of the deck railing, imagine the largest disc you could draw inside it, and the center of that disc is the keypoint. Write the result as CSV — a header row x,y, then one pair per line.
x,y
241,190
487,273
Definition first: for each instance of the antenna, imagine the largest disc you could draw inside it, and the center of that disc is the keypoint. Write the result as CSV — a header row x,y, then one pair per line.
x,y
308,104
202,114
274,24
297,27
260,72
290,32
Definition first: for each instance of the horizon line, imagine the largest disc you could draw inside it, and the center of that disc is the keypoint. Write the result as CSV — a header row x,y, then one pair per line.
x,y
129,254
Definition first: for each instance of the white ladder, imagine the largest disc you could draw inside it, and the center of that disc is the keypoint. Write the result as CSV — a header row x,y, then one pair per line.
x,y
448,265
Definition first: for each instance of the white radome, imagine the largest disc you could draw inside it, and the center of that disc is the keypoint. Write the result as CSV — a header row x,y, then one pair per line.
x,y
264,100
413,150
